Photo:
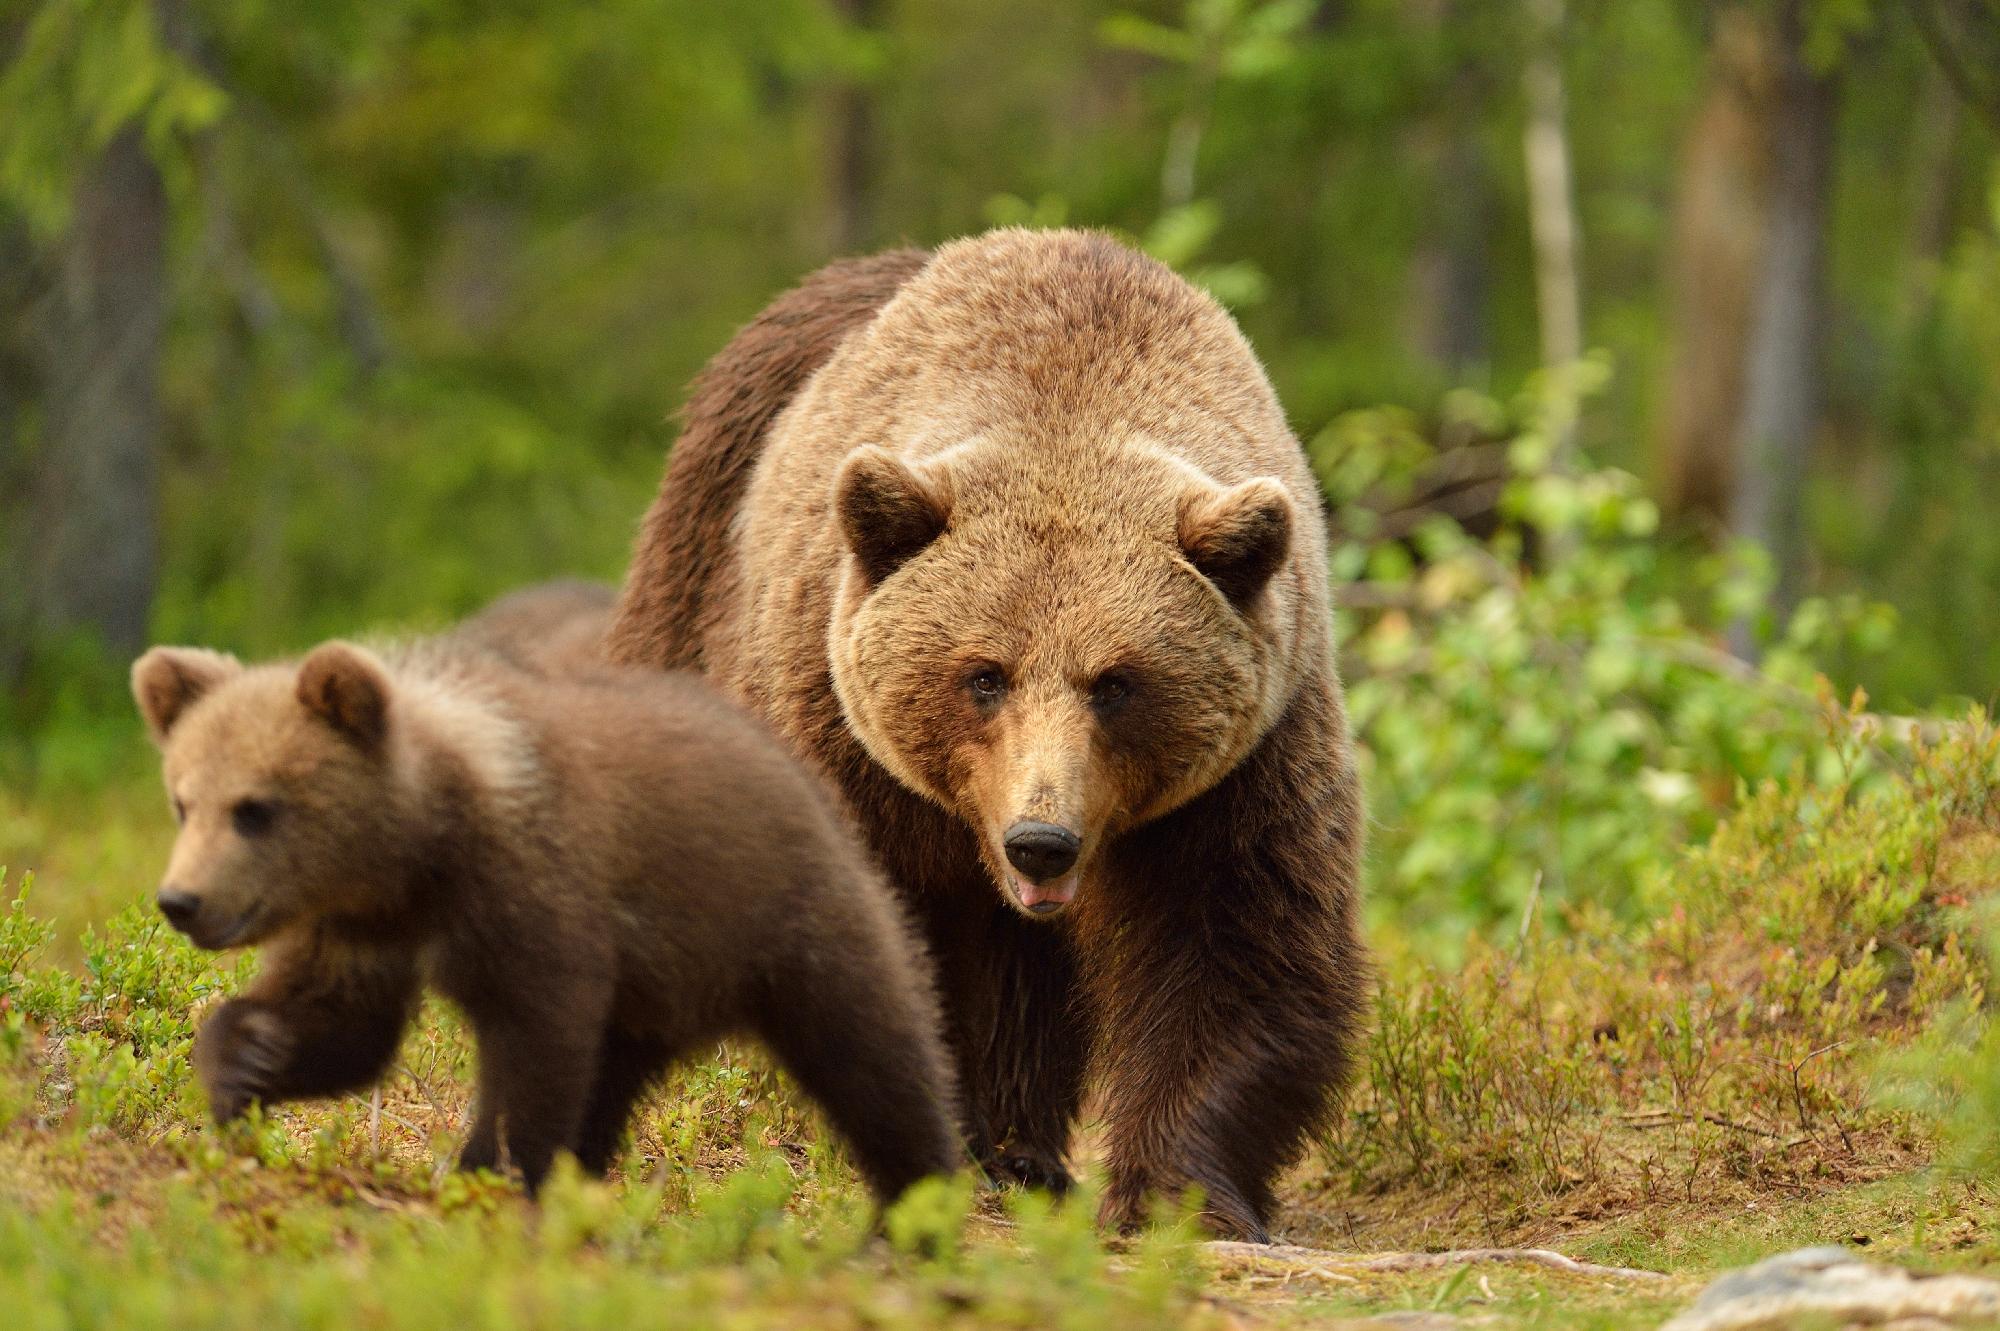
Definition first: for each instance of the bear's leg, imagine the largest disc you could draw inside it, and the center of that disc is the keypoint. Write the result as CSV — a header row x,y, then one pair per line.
x,y
1213,1081
1021,1043
868,1053
1238,984
321,1018
627,1065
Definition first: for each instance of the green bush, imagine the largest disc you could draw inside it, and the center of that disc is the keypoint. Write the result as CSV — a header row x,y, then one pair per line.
x,y
1551,712
1730,1034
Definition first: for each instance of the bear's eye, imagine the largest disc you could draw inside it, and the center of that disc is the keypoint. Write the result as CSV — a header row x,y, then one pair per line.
x,y
1111,690
253,817
987,685
180,809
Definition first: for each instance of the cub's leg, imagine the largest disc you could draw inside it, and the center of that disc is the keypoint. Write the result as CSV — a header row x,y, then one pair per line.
x,y
627,1066
534,1080
538,1007
322,1017
854,1022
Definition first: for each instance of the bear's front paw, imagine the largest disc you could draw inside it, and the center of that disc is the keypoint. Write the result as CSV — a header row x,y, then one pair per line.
x,y
239,1055
1127,1209
1027,1167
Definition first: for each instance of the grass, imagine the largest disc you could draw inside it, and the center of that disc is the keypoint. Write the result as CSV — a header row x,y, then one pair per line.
x,y
1721,1048
1722,1074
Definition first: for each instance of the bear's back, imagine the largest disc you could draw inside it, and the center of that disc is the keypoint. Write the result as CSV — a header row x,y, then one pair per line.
x,y
674,609
667,792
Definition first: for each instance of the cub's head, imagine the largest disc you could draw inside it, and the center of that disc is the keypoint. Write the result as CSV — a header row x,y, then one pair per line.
x,y
279,777
1058,653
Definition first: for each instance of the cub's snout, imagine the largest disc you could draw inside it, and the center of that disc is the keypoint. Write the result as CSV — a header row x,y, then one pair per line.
x,y
182,909
205,925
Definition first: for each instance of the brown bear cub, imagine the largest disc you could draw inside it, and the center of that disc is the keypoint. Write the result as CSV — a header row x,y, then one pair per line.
x,y
604,871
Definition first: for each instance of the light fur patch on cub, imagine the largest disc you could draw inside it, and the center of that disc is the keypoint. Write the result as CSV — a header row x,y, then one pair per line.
x,y
453,708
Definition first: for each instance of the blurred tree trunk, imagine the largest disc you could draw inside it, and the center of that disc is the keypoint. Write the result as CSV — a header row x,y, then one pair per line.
x,y
1935,180
1450,313
1551,191
1722,201
91,526
851,148
17,382
1782,387
1452,269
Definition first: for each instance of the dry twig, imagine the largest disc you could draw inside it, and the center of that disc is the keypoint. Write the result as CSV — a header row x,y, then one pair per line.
x,y
1341,1266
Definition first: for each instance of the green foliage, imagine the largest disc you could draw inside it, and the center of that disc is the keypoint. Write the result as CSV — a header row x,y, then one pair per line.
x,y
1555,724
438,275
588,1259
83,71
1902,538
1240,40
1951,1079
1725,1038
22,938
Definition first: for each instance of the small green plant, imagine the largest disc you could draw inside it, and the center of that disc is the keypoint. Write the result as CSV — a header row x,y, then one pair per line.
x,y
1728,1038
1950,1079
1551,727
22,938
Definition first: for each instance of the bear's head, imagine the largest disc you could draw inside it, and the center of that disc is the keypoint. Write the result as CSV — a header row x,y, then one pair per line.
x,y
280,779
1058,651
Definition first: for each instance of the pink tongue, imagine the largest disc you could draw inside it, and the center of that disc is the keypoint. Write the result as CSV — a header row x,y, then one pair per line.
x,y
1059,892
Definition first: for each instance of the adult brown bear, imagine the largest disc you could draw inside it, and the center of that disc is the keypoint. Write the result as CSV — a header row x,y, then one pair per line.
x,y
1014,542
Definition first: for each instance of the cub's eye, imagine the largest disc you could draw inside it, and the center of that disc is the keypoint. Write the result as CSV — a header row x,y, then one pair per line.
x,y
1110,691
987,685
253,817
180,810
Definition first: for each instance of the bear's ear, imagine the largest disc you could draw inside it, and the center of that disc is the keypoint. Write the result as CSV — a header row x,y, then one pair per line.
x,y
888,511
346,687
167,680
1239,537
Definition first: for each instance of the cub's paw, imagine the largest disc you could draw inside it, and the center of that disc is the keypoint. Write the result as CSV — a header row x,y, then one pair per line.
x,y
1027,1167
239,1055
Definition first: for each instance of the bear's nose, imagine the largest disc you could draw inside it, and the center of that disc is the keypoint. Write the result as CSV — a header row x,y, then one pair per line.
x,y
1041,851
179,907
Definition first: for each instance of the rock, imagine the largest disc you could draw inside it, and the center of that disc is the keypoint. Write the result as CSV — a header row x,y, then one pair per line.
x,y
1832,1287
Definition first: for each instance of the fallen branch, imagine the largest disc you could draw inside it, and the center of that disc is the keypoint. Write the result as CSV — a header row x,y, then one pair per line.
x,y
1662,1118
1340,1265
1289,1260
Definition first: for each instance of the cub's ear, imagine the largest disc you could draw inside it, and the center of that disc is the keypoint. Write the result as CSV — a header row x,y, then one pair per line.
x,y
167,680
348,688
1238,537
888,510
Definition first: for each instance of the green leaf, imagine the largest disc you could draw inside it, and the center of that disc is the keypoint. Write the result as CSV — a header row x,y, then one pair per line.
x,y
1133,33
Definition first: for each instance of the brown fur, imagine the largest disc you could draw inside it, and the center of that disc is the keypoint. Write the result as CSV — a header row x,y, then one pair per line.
x,y
604,872
1023,535
553,627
